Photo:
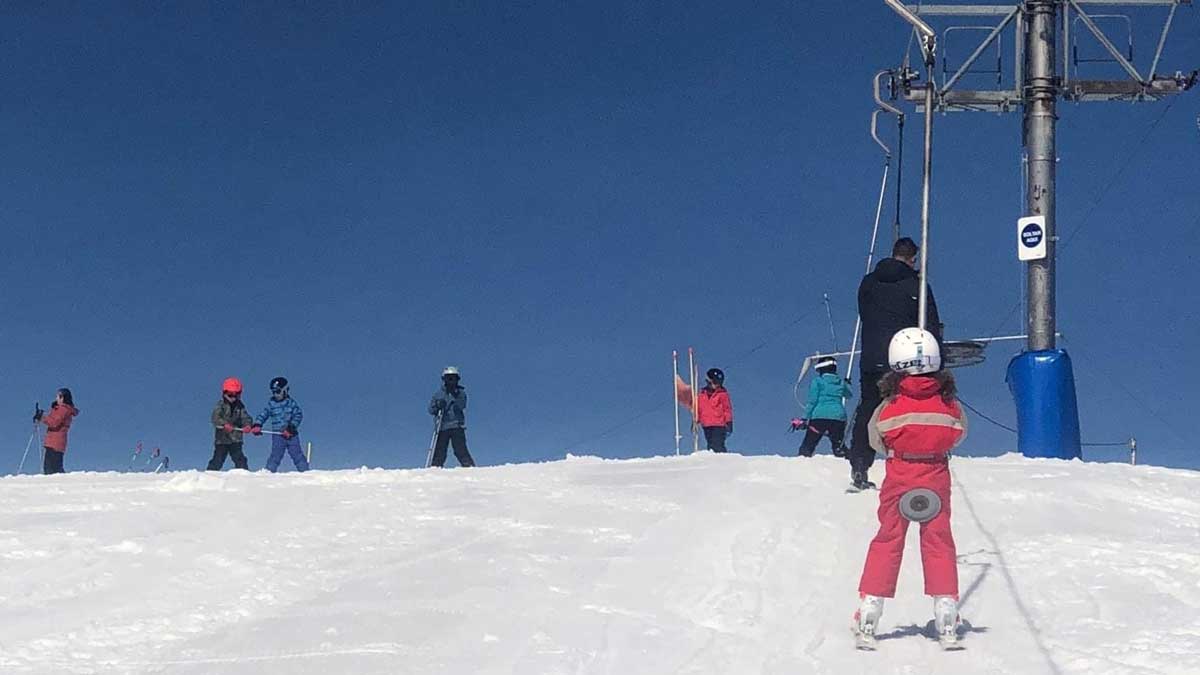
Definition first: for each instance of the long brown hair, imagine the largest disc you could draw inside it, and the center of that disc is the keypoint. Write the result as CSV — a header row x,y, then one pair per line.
x,y
889,384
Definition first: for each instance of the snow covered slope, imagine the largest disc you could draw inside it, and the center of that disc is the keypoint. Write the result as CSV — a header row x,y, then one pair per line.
x,y
703,564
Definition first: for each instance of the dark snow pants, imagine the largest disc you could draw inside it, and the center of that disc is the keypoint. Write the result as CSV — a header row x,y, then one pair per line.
x,y
52,462
861,454
714,437
835,429
292,445
444,438
232,450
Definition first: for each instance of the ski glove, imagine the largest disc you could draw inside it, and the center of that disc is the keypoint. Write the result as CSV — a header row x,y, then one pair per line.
x,y
286,433
247,429
37,415
228,428
256,430
729,428
290,430
799,424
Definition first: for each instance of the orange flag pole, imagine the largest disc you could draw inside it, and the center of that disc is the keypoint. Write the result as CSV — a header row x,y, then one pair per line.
x,y
695,419
675,395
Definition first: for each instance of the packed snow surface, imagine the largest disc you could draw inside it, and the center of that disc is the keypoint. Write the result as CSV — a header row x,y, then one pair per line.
x,y
701,564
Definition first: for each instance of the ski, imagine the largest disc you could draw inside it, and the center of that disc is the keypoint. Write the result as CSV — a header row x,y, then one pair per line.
x,y
866,641
863,642
949,641
854,489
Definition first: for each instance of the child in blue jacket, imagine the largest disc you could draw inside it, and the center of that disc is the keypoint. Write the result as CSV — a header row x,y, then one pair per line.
x,y
825,414
285,416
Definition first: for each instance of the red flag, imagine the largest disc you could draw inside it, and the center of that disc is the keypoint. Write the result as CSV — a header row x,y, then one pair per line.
x,y
683,392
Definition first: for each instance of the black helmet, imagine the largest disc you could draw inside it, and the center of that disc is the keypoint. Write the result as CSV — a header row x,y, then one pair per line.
x,y
279,385
716,375
826,365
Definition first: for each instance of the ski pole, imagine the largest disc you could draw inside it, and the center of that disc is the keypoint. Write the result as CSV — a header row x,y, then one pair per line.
x,y
437,429
695,400
28,445
37,415
137,452
675,397
264,431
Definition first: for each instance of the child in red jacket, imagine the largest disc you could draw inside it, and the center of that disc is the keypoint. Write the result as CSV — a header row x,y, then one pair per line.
x,y
57,422
916,427
715,411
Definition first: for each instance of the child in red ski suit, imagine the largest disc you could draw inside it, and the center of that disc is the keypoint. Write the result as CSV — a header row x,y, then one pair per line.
x,y
916,427
715,411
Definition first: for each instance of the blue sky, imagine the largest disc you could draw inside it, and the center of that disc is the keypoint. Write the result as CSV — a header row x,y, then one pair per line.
x,y
551,196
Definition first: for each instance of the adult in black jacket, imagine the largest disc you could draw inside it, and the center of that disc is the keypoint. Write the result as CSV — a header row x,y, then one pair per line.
x,y
887,304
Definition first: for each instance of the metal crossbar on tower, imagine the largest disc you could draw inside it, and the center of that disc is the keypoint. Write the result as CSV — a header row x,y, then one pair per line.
x,y
1036,86
1039,80
1037,83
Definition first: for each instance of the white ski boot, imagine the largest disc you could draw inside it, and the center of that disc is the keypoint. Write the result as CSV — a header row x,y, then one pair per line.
x,y
945,621
866,620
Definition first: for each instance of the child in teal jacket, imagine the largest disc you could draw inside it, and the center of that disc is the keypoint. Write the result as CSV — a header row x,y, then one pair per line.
x,y
825,414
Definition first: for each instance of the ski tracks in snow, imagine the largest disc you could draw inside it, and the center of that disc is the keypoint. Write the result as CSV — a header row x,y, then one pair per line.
x,y
708,564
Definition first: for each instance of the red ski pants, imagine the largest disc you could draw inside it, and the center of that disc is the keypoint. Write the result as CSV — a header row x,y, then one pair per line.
x,y
938,554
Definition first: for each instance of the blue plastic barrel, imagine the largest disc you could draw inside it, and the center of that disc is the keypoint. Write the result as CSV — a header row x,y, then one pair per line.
x,y
1043,387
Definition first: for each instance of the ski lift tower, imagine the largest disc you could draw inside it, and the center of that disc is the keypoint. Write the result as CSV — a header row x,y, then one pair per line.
x,y
1040,378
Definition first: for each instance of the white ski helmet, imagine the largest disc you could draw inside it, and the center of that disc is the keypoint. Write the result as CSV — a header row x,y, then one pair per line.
x,y
914,351
450,370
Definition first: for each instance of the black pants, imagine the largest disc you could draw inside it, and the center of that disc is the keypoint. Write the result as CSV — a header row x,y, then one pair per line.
x,y
835,429
444,438
234,450
52,462
715,438
861,454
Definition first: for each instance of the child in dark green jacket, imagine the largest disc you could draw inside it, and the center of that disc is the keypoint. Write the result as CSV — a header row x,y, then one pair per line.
x,y
825,414
230,420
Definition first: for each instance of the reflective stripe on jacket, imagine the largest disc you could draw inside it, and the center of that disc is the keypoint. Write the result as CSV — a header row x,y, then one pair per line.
x,y
917,425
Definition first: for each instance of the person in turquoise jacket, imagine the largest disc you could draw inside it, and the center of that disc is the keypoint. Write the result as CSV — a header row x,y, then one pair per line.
x,y
825,413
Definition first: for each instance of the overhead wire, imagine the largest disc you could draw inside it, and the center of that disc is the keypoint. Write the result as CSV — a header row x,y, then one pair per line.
x,y
984,416
1006,427
1097,199
1083,221
1140,401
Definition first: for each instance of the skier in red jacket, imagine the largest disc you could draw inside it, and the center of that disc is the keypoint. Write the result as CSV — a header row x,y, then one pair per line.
x,y
57,421
916,427
715,411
